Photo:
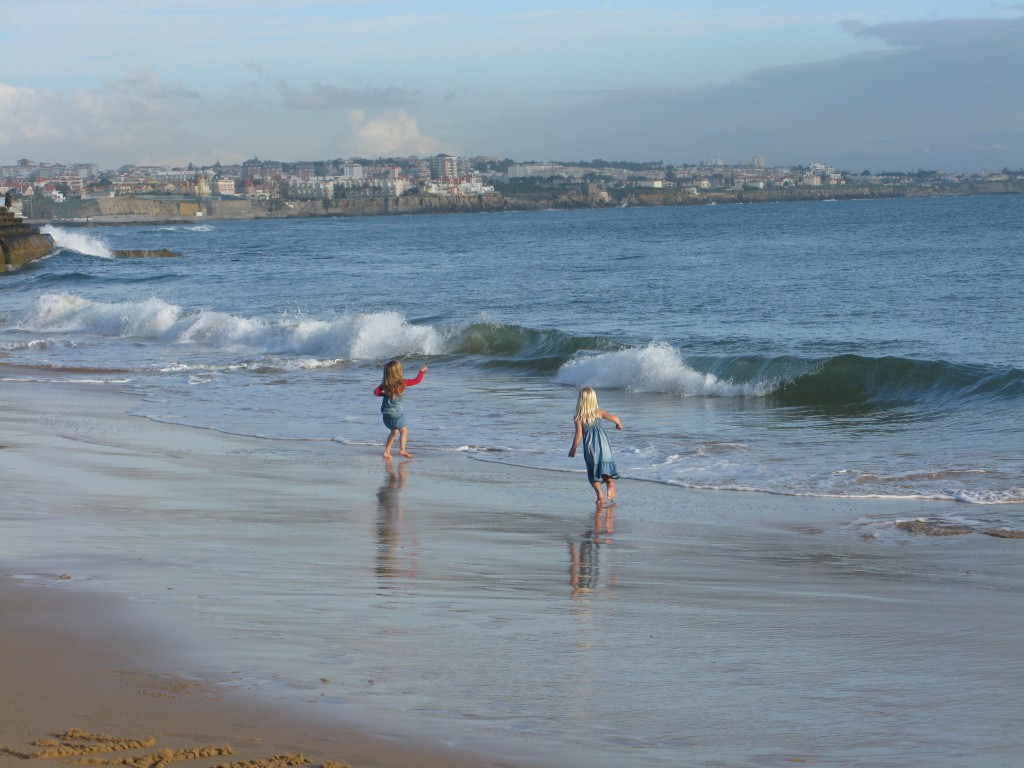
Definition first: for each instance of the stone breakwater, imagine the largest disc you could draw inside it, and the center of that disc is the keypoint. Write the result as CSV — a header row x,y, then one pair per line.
x,y
20,242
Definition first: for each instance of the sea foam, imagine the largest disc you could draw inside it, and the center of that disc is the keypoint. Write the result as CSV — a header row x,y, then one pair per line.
x,y
369,336
657,367
78,241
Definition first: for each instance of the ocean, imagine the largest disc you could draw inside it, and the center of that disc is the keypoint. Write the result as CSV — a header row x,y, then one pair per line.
x,y
847,376
835,349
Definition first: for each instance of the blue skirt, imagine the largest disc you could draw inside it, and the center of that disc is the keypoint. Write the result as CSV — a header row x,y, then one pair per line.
x,y
394,422
597,454
391,411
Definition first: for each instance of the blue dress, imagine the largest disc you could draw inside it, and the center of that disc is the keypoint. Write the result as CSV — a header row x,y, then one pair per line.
x,y
392,412
597,453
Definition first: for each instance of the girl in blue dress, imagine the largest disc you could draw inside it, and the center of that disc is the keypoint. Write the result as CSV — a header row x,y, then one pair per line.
x,y
391,388
596,451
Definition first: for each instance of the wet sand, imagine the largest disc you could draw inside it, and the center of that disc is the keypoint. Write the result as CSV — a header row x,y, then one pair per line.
x,y
74,661
803,630
87,672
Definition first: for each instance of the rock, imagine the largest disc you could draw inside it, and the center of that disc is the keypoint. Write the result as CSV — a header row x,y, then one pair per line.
x,y
20,243
159,253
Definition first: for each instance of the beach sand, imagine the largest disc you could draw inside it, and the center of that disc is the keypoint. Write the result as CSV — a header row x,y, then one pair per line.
x,y
769,600
80,661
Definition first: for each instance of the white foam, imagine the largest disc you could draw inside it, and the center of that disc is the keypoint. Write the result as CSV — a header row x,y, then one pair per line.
x,y
657,367
90,245
371,336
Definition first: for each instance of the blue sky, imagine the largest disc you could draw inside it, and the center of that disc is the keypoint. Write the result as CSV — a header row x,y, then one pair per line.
x,y
871,84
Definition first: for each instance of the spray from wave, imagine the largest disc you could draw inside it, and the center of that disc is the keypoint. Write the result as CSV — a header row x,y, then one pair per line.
x,y
657,367
78,242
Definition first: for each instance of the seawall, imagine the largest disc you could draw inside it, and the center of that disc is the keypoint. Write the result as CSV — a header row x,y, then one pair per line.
x,y
20,242
169,210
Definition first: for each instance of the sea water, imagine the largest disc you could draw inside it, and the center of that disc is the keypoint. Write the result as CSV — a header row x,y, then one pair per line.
x,y
801,351
848,349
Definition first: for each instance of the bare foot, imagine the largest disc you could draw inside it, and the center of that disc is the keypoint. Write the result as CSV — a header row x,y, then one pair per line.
x,y
611,492
405,453
387,455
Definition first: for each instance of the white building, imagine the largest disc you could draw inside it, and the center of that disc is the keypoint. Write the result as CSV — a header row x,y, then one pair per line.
x,y
225,187
352,172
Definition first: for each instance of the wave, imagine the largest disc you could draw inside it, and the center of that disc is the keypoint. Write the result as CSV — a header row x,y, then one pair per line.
x,y
835,382
372,336
657,367
852,380
517,347
80,242
839,381
186,228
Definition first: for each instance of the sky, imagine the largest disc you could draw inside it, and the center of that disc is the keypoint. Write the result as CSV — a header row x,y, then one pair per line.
x,y
864,85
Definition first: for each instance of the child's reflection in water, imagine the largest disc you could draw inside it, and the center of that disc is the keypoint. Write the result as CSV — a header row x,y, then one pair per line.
x,y
583,553
389,524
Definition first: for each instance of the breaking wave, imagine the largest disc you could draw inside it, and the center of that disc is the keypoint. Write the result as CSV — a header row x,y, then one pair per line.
x,y
843,381
90,245
355,337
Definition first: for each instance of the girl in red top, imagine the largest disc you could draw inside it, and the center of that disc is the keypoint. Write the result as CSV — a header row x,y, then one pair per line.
x,y
391,388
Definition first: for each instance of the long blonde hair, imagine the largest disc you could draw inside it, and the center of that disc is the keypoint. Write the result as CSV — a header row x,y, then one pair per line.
x,y
586,406
392,384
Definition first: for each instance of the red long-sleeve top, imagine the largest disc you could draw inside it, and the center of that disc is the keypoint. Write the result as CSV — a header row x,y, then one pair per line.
x,y
405,383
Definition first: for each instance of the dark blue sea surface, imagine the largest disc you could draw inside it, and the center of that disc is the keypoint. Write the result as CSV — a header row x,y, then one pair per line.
x,y
857,348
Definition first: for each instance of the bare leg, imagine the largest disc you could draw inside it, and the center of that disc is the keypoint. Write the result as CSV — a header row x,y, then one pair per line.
x,y
611,488
401,444
597,490
389,443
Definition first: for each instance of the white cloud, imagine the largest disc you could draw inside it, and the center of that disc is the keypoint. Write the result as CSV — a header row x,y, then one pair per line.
x,y
922,93
27,116
393,133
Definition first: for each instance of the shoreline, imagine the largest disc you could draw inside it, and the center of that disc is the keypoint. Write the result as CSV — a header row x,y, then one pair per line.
x,y
416,205
122,507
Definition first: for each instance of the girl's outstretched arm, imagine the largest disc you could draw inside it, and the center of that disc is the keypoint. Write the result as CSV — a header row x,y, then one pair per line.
x,y
417,380
610,417
576,438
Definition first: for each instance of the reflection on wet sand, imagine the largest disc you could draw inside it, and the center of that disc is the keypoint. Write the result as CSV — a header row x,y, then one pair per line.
x,y
583,553
389,524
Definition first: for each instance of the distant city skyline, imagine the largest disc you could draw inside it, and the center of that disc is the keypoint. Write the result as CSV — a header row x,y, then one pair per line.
x,y
867,85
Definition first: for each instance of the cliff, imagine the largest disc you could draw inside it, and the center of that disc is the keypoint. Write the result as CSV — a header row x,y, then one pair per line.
x,y
20,242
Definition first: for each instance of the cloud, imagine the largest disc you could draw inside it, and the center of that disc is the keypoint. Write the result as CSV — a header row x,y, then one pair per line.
x,y
120,116
939,94
319,96
393,133
925,101
26,116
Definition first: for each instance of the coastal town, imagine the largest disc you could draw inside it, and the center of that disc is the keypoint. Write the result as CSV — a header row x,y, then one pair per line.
x,y
83,193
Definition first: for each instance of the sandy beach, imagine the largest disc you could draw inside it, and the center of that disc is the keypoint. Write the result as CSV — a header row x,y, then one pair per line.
x,y
810,631
81,663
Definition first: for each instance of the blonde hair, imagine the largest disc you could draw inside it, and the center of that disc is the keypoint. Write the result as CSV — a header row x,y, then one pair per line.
x,y
586,406
392,384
